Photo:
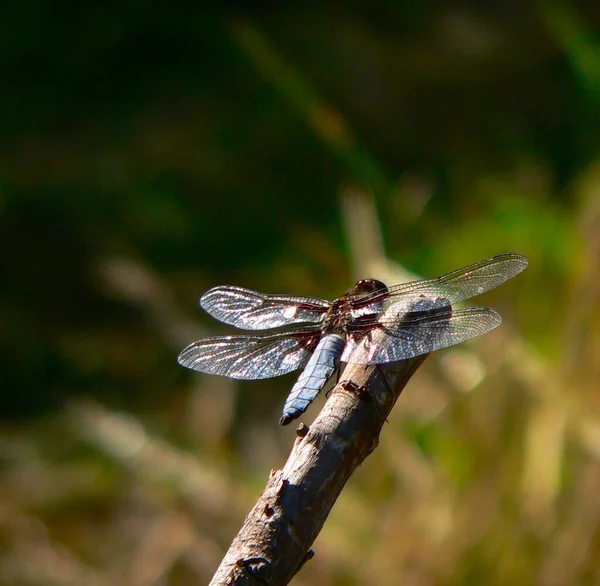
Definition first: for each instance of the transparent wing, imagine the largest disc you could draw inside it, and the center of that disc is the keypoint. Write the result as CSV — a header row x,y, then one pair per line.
x,y
389,340
250,310
251,357
460,284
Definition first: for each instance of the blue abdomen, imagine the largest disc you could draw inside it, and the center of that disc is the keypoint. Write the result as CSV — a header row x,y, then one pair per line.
x,y
316,373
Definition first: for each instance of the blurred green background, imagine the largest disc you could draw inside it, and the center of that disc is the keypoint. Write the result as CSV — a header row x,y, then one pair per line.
x,y
150,151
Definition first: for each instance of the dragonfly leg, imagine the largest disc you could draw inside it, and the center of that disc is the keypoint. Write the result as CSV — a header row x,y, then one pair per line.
x,y
381,372
363,393
338,374
385,378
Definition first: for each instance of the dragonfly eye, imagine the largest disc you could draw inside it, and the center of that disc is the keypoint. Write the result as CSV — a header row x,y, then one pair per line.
x,y
366,286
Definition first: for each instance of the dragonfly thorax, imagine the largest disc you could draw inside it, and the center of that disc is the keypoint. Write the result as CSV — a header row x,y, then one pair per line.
x,y
343,309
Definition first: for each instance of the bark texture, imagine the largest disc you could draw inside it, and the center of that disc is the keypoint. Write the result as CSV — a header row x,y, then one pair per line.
x,y
277,534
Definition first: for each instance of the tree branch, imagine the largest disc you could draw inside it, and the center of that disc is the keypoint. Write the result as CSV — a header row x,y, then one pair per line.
x,y
276,537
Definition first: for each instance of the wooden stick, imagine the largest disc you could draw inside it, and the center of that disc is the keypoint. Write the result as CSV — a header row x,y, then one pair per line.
x,y
275,540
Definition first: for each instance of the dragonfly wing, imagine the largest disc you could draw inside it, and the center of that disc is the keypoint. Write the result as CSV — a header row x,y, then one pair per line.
x,y
251,357
453,287
250,310
416,334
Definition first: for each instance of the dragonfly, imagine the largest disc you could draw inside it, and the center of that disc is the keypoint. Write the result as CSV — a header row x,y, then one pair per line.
x,y
370,324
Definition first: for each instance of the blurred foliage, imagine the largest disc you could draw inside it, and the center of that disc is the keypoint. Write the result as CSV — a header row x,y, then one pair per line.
x,y
150,151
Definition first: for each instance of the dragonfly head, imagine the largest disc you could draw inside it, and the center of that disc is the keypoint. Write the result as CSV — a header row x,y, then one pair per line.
x,y
366,286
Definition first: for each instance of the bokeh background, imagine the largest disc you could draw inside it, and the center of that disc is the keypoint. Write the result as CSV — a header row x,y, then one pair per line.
x,y
150,151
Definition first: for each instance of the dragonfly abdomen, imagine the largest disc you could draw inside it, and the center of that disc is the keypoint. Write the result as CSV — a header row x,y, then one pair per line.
x,y
316,373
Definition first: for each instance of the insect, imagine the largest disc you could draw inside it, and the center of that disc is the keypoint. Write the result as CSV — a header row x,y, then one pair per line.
x,y
370,324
